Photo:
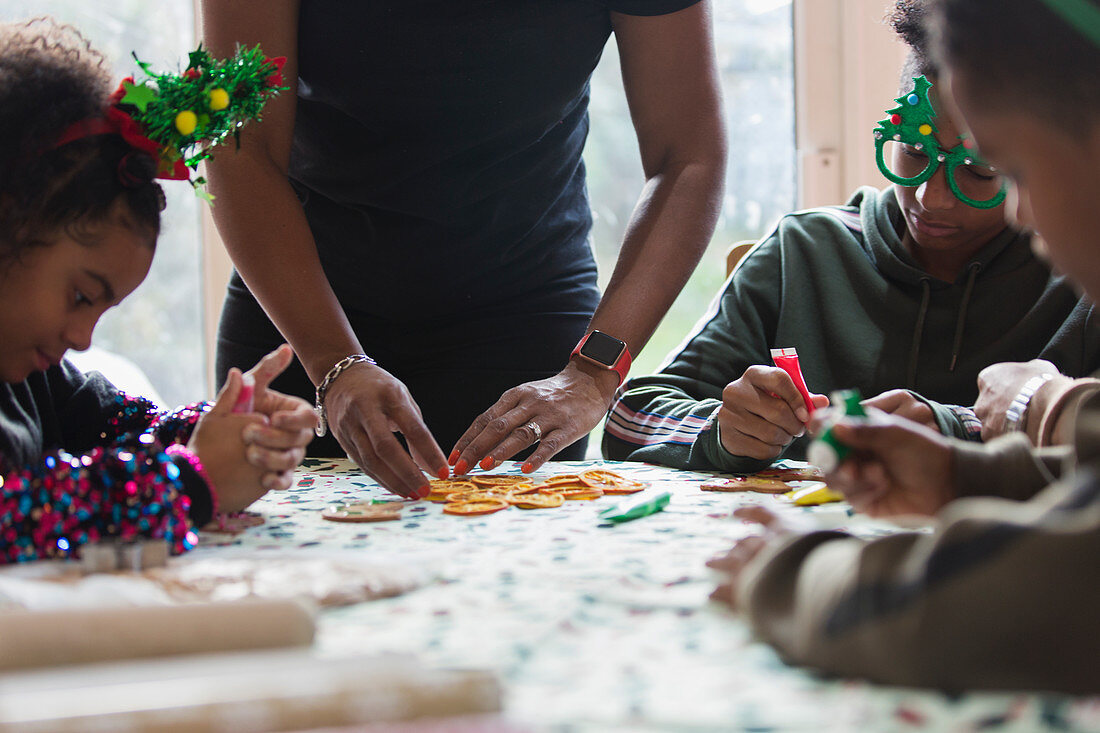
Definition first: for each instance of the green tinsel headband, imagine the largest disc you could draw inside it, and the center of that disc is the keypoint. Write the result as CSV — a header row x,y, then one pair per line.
x,y
1081,14
182,117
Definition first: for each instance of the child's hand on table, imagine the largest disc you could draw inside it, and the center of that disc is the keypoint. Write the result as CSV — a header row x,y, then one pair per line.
x,y
762,412
896,466
734,562
277,442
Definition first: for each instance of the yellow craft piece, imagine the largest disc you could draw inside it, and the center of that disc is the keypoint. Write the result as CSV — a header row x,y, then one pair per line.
x,y
925,129
186,122
814,494
219,99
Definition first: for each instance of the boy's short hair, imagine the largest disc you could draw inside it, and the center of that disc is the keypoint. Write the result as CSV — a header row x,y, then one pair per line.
x,y
1026,54
907,18
50,78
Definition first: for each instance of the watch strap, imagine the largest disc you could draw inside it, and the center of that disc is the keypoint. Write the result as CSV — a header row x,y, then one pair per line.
x,y
621,366
1016,414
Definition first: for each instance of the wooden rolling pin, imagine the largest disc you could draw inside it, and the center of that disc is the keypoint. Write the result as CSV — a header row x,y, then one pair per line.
x,y
80,636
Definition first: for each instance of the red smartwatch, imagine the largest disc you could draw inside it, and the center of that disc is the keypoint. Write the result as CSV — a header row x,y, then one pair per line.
x,y
604,351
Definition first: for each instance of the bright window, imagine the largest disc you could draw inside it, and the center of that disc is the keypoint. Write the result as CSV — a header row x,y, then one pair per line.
x,y
753,40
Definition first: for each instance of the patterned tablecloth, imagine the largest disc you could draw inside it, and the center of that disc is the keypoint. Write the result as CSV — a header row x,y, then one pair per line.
x,y
594,627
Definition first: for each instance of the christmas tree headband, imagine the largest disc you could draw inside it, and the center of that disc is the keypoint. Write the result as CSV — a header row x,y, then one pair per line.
x,y
1083,15
182,117
912,124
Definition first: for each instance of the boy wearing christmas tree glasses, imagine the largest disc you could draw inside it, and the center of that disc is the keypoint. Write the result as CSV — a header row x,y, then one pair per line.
x,y
1003,593
903,293
910,134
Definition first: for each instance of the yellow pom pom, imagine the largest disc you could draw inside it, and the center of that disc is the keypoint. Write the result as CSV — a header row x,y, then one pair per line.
x,y
219,99
925,129
186,122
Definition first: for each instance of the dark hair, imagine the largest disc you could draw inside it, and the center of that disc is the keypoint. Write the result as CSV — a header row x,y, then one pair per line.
x,y
907,18
50,78
1023,54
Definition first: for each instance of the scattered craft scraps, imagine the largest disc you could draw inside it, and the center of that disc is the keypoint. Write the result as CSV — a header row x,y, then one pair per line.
x,y
748,483
471,508
813,495
386,512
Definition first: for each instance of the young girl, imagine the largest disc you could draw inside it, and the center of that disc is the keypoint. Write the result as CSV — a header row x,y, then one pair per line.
x,y
1003,593
79,218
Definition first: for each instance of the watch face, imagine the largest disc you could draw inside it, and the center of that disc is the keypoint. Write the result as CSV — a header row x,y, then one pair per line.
x,y
602,348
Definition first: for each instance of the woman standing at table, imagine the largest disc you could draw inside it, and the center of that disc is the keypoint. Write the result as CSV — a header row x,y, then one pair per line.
x,y
419,196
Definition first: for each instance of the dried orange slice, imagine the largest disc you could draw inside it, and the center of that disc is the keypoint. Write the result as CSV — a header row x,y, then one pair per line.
x,y
521,489
536,501
471,508
499,480
562,478
483,495
611,483
442,488
581,493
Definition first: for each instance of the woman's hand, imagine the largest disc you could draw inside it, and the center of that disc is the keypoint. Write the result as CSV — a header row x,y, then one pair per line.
x,y
277,443
896,466
744,551
366,406
762,412
218,442
565,407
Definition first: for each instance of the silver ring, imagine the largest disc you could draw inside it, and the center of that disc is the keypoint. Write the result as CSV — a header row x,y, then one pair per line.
x,y
534,428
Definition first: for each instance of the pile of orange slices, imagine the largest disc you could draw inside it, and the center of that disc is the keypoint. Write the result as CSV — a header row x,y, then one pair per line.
x,y
478,494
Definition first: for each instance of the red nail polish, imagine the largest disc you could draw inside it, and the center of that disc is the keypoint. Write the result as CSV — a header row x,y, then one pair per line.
x,y
443,473
527,468
424,491
452,458
461,467
486,463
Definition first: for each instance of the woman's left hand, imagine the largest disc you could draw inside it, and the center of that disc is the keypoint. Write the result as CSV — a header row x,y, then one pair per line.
x,y
744,551
278,444
552,412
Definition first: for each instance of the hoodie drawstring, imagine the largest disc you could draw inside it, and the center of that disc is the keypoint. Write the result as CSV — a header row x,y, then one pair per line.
x,y
960,324
918,332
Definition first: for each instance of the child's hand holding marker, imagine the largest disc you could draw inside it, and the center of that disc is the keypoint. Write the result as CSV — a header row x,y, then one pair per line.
x,y
275,442
764,410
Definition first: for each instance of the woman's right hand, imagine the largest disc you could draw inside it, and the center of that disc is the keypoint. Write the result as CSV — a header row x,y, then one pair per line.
x,y
366,406
762,412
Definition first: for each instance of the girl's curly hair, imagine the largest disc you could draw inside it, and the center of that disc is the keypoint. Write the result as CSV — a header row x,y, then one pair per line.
x,y
50,78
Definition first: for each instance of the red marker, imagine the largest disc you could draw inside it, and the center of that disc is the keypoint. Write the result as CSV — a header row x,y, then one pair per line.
x,y
787,360
248,391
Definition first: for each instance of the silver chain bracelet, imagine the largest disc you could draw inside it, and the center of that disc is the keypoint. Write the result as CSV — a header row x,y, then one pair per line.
x,y
323,387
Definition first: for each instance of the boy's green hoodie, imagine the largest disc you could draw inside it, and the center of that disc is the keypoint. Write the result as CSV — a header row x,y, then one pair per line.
x,y
837,284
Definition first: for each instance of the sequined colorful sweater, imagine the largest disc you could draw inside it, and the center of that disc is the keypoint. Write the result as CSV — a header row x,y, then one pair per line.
x,y
81,460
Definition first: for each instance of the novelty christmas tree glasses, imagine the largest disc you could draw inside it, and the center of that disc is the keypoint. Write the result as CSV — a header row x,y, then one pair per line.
x,y
908,153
